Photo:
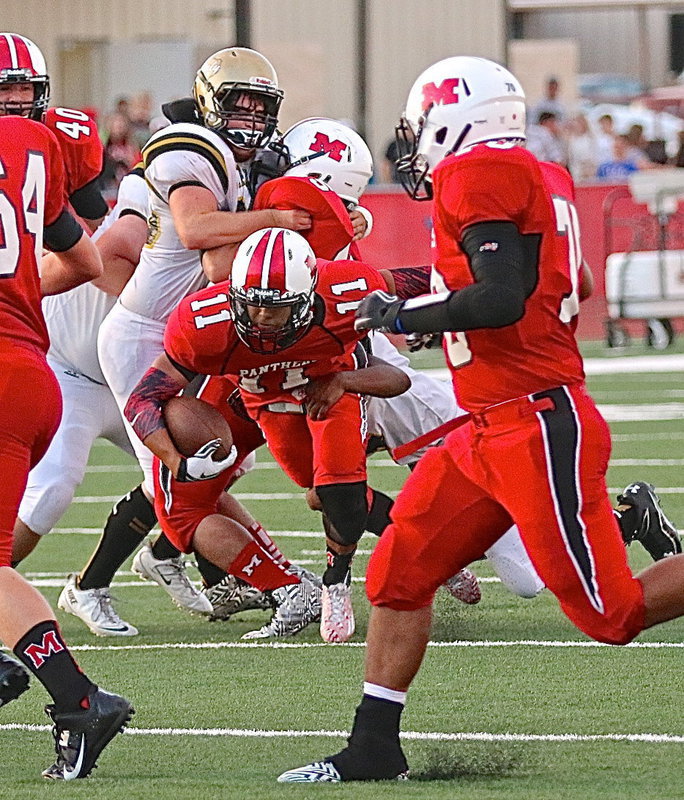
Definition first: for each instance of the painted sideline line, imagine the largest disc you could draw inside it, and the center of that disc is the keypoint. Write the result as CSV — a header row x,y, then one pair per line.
x,y
244,733
104,648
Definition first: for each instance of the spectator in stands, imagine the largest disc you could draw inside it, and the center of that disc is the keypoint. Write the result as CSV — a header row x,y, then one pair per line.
x,y
545,139
582,149
605,138
120,151
550,103
140,115
621,165
638,143
123,106
678,160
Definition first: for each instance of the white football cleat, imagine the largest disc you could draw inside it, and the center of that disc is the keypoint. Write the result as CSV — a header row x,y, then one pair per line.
x,y
94,607
337,615
464,586
317,772
170,574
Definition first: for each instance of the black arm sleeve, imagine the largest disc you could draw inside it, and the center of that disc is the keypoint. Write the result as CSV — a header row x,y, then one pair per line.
x,y
63,234
184,371
88,201
505,266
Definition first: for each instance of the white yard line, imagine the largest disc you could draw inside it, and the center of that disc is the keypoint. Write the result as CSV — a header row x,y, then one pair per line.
x,y
278,645
387,462
252,496
281,534
646,437
434,736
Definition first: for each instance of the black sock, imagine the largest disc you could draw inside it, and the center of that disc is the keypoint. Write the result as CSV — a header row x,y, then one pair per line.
x,y
162,549
211,574
129,522
373,751
338,569
379,513
44,652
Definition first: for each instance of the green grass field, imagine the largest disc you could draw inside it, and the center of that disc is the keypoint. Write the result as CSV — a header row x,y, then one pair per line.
x,y
512,701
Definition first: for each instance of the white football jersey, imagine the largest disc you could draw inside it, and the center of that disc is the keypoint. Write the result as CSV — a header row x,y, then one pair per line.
x,y
181,154
73,317
426,405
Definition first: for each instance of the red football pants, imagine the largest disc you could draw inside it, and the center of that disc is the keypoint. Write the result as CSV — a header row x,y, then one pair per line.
x,y
30,411
180,507
320,452
539,462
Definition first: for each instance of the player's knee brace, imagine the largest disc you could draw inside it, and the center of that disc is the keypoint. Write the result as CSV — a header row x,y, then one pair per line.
x,y
344,504
379,512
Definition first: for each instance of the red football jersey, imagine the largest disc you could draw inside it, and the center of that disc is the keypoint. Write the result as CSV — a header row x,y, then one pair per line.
x,y
492,365
80,143
201,336
331,229
31,196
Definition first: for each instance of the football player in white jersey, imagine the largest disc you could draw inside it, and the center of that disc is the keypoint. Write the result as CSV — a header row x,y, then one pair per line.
x,y
196,190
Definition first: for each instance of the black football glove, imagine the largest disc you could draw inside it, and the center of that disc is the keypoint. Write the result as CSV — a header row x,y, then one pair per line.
x,y
378,311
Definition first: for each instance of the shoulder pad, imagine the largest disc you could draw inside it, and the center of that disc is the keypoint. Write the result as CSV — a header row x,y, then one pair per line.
x,y
186,137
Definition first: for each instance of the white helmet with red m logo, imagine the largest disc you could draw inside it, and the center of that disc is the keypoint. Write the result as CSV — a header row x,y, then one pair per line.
x,y
21,62
273,268
333,153
455,104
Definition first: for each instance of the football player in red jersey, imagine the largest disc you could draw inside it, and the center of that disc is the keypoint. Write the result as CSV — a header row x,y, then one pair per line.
x,y
508,275
25,91
282,321
32,210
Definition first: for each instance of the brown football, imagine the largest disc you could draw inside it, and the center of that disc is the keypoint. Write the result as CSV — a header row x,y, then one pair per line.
x,y
192,423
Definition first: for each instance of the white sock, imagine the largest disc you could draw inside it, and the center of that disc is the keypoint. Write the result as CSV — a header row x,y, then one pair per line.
x,y
383,693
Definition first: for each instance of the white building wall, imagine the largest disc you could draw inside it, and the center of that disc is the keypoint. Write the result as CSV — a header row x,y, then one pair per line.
x,y
609,39
312,44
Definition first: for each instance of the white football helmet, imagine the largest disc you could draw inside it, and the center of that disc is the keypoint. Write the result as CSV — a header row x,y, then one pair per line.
x,y
22,62
273,267
333,153
453,105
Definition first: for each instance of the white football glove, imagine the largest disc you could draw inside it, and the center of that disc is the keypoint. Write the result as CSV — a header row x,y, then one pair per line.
x,y
201,466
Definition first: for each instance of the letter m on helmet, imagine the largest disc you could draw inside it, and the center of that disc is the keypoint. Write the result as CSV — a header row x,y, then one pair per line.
x,y
444,94
322,144
39,653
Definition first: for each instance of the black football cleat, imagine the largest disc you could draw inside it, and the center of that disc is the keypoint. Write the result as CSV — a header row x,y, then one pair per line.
x,y
645,521
14,679
80,736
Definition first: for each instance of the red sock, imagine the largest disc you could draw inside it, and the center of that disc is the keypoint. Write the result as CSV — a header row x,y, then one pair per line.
x,y
261,537
255,566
